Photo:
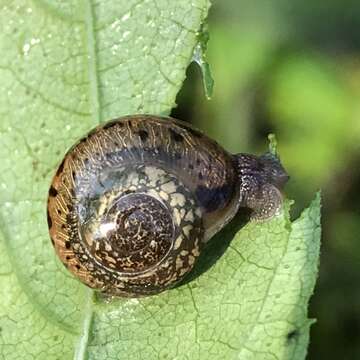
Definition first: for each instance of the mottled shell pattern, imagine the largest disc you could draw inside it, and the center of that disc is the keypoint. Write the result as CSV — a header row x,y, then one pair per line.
x,y
132,203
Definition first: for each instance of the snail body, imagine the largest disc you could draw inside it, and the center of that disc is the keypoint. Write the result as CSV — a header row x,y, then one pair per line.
x,y
133,203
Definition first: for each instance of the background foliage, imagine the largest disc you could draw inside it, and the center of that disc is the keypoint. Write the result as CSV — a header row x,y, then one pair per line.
x,y
293,68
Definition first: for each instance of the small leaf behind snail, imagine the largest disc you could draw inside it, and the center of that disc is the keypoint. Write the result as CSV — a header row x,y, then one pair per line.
x,y
133,203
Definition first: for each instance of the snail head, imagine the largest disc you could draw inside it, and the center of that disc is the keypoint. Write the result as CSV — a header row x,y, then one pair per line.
x,y
261,179
273,171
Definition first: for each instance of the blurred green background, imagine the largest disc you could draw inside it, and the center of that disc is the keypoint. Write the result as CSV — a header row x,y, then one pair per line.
x,y
293,68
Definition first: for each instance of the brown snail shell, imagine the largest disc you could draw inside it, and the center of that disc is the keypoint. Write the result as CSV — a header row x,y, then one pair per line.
x,y
132,203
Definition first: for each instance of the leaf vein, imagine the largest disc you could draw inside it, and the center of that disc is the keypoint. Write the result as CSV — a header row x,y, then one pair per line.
x,y
92,62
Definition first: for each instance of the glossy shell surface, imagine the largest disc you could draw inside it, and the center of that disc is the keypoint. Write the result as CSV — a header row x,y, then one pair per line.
x,y
133,202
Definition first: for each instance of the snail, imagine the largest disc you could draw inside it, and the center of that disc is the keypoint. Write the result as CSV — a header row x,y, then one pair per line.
x,y
133,203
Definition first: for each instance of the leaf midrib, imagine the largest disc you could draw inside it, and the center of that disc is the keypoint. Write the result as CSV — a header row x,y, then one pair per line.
x,y
81,344
92,62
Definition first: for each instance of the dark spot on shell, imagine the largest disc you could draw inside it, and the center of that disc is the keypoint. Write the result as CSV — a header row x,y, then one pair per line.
x,y
176,136
198,162
292,334
110,124
69,218
60,168
177,156
86,161
128,192
70,207
52,241
59,211
143,135
63,226
92,132
201,176
78,266
191,166
82,140
49,220
53,192
68,257
212,199
73,174
67,244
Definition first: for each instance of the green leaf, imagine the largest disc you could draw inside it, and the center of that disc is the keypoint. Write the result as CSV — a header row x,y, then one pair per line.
x,y
65,67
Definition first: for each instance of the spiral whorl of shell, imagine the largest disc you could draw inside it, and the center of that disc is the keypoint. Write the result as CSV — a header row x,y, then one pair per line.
x,y
132,230
141,226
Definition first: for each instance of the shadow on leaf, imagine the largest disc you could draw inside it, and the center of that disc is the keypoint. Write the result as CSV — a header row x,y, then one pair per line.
x,y
217,246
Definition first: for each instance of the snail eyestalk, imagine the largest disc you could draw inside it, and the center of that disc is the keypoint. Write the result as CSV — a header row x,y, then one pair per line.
x,y
272,144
